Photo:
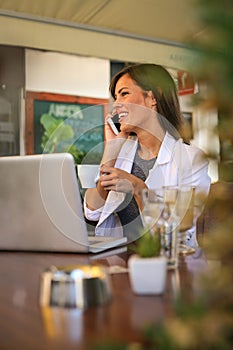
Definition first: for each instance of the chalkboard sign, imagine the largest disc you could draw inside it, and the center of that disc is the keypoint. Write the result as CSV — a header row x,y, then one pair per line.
x,y
84,115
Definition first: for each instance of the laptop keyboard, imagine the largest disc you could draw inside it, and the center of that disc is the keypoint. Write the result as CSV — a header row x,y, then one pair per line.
x,y
96,240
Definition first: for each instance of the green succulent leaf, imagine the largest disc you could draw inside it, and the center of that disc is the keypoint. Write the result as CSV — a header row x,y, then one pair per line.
x,y
148,245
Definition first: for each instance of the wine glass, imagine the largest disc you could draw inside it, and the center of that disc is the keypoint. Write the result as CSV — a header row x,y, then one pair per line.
x,y
170,220
159,216
184,209
153,206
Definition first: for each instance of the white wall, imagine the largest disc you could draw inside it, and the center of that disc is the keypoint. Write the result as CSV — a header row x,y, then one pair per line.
x,y
66,74
204,129
61,73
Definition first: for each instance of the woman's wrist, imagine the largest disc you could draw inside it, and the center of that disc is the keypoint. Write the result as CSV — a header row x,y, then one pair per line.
x,y
138,186
101,192
111,151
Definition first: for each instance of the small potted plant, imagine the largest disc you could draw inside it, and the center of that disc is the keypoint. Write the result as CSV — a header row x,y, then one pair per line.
x,y
147,268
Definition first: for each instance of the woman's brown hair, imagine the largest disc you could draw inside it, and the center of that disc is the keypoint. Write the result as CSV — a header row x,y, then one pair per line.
x,y
155,78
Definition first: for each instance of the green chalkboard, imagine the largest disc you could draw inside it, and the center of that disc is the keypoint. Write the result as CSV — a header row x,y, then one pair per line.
x,y
84,115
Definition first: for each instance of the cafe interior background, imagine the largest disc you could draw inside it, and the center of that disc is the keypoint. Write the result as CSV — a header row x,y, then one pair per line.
x,y
73,48
62,50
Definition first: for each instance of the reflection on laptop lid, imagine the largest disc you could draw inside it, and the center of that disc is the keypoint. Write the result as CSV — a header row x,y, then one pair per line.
x,y
41,206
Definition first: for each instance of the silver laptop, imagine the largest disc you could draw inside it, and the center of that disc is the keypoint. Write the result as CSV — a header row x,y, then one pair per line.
x,y
41,207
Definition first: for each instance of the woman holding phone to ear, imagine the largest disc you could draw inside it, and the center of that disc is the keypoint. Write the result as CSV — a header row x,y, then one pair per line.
x,y
148,152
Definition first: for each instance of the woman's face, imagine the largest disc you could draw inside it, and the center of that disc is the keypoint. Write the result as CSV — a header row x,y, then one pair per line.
x,y
132,104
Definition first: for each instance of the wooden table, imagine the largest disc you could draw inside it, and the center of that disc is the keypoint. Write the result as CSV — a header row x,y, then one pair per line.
x,y
25,325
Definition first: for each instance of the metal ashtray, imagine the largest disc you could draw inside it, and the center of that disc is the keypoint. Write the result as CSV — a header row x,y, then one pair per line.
x,y
78,286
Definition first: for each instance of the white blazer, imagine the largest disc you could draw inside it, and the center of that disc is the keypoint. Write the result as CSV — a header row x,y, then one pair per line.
x,y
177,163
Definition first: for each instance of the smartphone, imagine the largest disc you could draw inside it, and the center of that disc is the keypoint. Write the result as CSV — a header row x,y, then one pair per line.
x,y
114,123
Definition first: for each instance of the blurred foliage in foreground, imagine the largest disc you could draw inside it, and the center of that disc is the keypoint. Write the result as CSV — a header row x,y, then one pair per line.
x,y
207,322
214,66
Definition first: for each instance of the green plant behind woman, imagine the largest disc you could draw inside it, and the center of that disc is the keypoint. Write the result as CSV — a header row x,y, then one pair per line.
x,y
58,137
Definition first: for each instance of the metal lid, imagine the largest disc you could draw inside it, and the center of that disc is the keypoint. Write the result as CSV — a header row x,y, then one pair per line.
x,y
79,286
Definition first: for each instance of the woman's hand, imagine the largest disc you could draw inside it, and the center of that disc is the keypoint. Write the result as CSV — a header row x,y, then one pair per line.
x,y
120,181
96,197
113,144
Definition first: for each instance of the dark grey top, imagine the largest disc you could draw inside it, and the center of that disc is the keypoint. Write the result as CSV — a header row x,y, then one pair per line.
x,y
128,211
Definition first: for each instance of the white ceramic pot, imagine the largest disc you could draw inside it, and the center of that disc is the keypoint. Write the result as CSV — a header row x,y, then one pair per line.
x,y
147,275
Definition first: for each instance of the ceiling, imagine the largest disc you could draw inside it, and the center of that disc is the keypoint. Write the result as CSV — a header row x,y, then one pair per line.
x,y
128,30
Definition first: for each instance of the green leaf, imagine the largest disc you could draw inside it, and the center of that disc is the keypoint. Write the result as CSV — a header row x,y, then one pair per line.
x,y
49,123
148,245
76,153
63,133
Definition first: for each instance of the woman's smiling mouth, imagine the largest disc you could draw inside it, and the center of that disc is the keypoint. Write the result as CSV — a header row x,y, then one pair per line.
x,y
122,115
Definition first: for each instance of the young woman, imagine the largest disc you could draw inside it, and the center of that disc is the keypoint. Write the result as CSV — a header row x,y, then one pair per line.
x,y
147,153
